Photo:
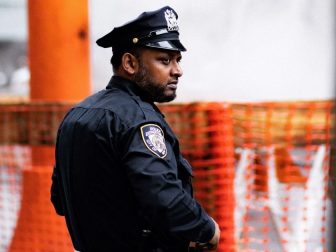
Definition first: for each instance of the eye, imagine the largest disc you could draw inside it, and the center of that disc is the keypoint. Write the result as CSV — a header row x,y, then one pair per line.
x,y
165,61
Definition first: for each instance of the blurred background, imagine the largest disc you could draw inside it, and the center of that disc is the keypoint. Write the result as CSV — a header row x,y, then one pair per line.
x,y
255,113
238,50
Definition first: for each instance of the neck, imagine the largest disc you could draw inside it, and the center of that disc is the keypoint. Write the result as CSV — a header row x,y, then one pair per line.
x,y
123,74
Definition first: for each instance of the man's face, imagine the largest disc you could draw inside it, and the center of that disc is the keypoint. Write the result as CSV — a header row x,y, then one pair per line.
x,y
158,73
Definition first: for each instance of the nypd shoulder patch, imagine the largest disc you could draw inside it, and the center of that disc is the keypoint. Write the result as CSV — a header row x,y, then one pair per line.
x,y
153,138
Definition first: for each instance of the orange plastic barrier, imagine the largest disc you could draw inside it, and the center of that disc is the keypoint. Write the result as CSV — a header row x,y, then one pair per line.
x,y
38,228
263,170
12,159
27,219
284,167
205,132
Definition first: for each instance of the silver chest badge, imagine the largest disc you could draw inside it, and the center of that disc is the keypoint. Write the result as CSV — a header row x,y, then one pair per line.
x,y
171,20
153,138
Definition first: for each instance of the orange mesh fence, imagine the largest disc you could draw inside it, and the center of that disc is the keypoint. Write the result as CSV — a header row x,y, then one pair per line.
x,y
12,159
30,123
262,170
27,219
282,175
205,133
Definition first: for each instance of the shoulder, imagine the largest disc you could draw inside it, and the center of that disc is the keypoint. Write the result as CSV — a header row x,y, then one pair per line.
x,y
131,110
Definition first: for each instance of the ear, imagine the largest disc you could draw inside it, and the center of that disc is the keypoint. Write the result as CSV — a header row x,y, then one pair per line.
x,y
129,63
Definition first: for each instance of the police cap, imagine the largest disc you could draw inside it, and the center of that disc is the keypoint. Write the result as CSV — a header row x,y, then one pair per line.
x,y
157,29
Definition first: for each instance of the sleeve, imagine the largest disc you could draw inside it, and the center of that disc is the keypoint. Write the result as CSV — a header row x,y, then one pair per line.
x,y
153,174
55,193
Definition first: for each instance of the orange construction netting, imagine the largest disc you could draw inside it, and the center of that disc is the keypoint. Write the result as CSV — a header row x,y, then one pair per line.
x,y
284,175
264,171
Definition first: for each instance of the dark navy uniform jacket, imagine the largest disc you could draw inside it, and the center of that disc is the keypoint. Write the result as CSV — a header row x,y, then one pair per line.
x,y
119,171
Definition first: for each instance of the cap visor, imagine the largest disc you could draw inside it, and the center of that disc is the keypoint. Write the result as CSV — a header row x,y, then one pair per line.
x,y
174,45
105,41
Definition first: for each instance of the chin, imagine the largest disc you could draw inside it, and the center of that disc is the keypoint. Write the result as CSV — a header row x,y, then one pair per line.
x,y
166,98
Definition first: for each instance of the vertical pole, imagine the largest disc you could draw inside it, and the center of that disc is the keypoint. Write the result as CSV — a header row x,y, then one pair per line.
x,y
58,50
59,66
333,148
332,174
58,56
220,119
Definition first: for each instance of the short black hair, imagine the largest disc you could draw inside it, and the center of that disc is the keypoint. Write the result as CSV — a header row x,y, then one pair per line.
x,y
116,59
117,55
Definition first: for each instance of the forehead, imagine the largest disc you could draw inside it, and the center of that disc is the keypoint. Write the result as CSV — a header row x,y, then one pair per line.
x,y
147,51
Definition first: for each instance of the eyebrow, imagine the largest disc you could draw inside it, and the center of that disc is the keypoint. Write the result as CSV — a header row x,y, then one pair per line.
x,y
174,54
171,54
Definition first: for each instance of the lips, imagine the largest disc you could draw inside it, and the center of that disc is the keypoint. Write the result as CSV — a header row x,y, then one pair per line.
x,y
172,85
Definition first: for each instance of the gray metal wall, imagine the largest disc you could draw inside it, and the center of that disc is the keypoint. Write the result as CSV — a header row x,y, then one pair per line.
x,y
241,50
238,50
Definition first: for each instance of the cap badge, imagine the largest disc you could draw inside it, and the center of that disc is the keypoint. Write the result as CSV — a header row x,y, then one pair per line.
x,y
153,138
171,20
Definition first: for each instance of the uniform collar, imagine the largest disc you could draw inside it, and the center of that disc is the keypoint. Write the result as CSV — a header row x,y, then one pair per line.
x,y
131,88
125,85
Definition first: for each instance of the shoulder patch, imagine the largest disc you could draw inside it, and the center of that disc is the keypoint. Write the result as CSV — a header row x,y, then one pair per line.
x,y
153,138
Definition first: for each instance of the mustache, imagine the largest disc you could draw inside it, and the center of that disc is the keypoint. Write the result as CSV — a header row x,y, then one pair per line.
x,y
173,81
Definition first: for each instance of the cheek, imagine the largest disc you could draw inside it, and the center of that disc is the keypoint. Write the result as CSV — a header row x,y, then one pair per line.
x,y
161,77
159,74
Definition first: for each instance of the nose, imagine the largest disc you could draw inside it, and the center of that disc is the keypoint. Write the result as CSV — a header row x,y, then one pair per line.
x,y
177,70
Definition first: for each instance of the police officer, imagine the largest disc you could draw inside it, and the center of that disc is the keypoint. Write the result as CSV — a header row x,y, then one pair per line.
x,y
119,178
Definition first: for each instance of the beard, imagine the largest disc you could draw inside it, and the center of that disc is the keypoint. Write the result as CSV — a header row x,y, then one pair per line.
x,y
156,92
